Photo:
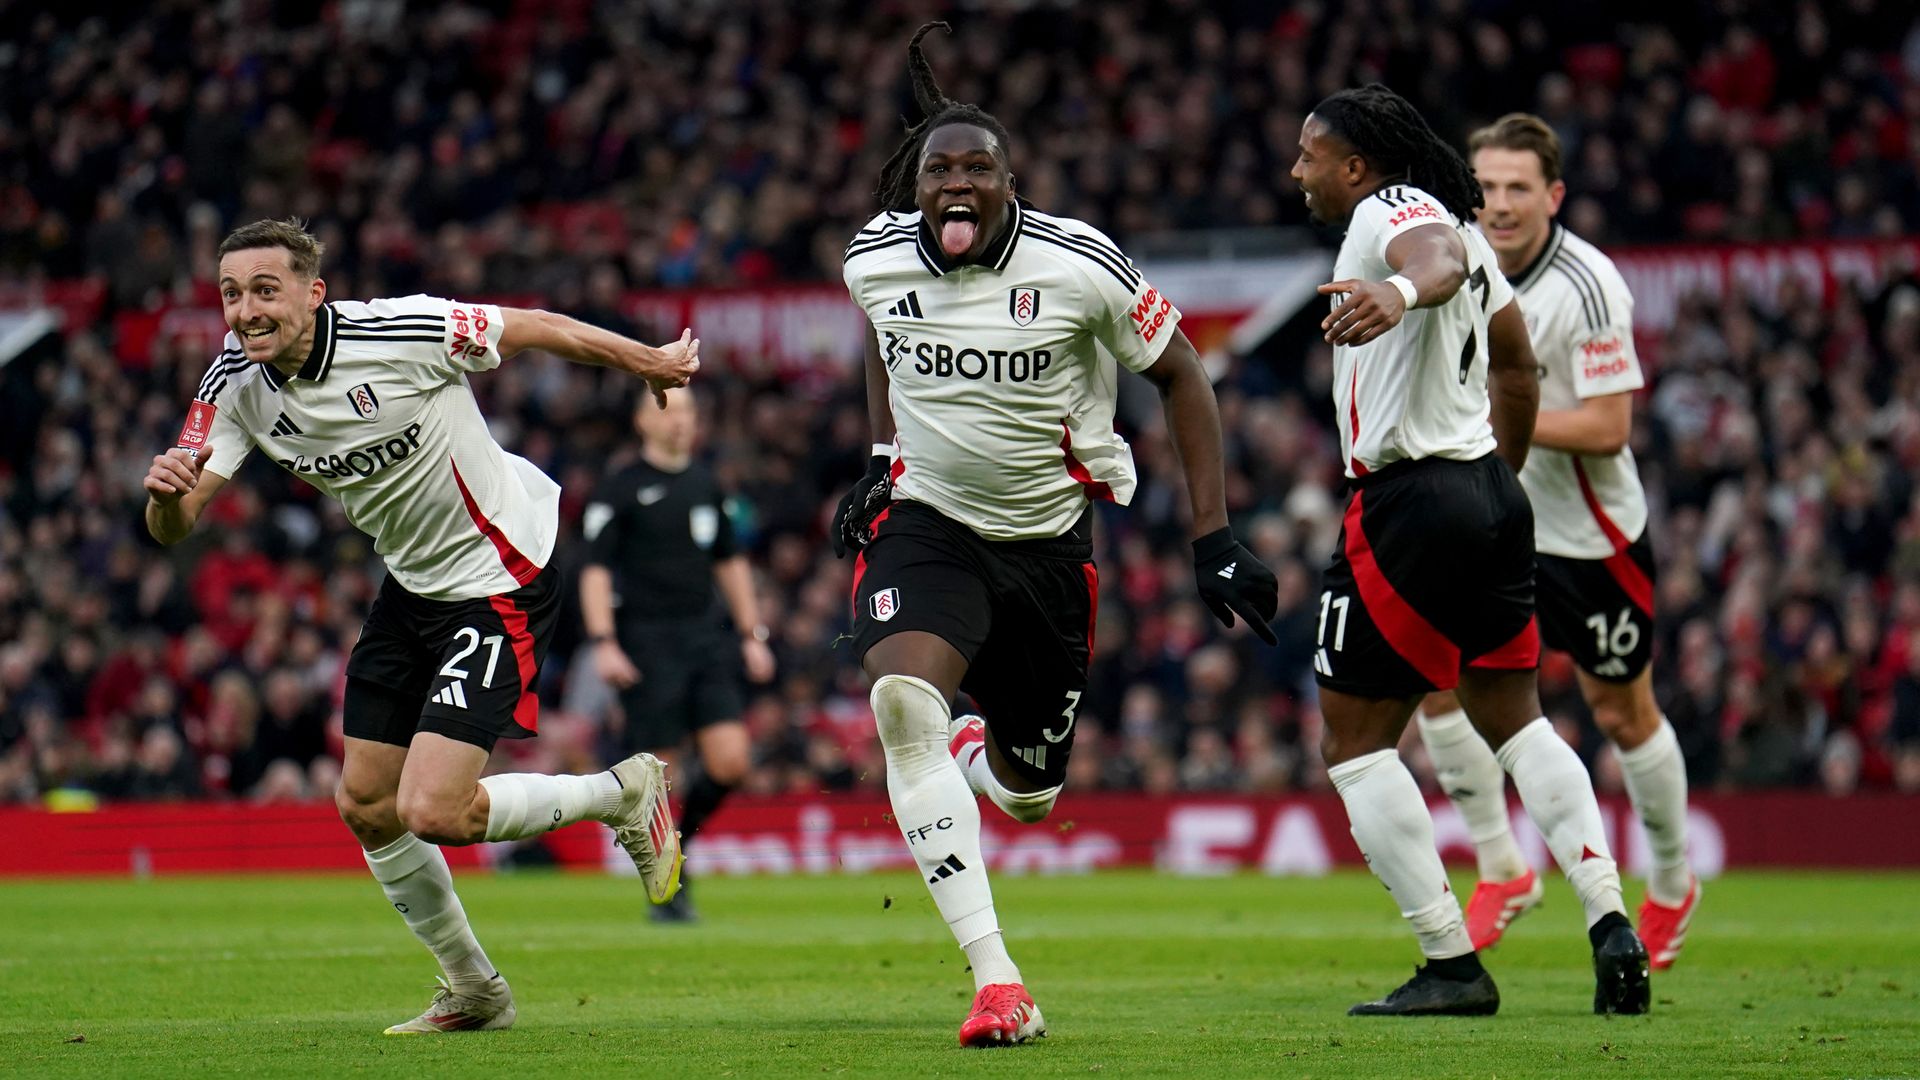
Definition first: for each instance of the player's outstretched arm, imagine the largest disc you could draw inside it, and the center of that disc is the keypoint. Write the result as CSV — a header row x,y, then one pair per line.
x,y
664,367
1513,382
1430,265
178,488
1232,581
853,518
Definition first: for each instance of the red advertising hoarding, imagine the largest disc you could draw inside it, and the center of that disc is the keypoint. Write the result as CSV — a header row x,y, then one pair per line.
x,y
1186,834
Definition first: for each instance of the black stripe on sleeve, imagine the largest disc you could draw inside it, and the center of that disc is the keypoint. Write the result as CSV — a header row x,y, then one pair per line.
x,y
387,338
398,322
1130,286
1588,310
874,243
216,377
1593,281
1121,270
1098,243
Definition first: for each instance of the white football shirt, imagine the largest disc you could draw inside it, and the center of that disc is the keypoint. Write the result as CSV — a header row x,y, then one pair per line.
x,y
381,419
1580,317
1420,389
1001,374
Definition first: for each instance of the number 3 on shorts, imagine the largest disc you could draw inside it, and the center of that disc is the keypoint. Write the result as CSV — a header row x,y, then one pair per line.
x,y
1073,702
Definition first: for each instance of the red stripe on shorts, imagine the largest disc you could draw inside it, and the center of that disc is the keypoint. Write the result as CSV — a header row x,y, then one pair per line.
x,y
1406,630
860,557
1093,602
1520,654
518,565
526,712
1632,579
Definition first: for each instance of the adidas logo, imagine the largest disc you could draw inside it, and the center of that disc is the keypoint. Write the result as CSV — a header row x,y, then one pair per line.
x,y
1035,756
454,694
1321,664
908,306
947,869
1615,667
1227,572
285,428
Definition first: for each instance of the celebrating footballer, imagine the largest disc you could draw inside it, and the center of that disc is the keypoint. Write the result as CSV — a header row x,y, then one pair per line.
x,y
991,372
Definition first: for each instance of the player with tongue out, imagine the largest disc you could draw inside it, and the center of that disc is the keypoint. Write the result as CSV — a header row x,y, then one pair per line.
x,y
992,402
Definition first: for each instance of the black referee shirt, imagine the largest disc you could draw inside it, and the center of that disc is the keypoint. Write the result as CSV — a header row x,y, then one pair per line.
x,y
659,533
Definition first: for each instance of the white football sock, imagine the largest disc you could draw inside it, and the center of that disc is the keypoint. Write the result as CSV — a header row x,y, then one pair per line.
x,y
937,814
1025,808
1656,776
1391,824
990,962
1472,778
1558,794
420,887
520,805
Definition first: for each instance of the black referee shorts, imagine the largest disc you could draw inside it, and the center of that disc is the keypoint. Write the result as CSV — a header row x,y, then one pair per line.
x,y
466,669
690,676
1020,611
1434,572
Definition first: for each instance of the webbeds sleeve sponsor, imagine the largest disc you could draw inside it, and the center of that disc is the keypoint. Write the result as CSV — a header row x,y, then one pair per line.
x,y
1135,325
472,336
1605,363
1604,360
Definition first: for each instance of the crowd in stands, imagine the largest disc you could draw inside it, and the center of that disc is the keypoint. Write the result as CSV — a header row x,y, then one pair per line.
x,y
569,151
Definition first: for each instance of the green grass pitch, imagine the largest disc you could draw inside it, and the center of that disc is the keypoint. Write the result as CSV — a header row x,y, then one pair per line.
x,y
1787,975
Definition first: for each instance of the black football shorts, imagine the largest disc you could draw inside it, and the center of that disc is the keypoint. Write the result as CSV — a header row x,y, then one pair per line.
x,y
466,669
1020,611
1600,610
1434,572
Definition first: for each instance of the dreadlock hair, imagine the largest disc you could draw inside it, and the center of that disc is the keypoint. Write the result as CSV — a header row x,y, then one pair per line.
x,y
895,189
1390,133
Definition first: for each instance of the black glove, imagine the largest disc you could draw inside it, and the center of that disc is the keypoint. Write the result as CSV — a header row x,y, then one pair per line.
x,y
1233,582
853,521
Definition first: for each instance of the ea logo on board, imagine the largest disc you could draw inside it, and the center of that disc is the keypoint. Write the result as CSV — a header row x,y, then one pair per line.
x,y
885,604
1025,306
363,401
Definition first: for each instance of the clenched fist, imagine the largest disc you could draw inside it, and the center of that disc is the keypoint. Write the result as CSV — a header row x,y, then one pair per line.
x,y
175,473
668,366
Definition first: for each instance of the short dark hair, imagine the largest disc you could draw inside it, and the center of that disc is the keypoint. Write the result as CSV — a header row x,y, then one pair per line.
x,y
1521,131
895,190
1390,133
290,233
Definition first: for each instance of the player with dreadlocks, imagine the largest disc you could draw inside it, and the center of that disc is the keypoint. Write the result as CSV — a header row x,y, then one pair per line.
x,y
990,387
1431,587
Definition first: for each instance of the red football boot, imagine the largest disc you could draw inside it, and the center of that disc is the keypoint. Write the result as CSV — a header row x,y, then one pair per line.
x,y
1664,928
1003,1014
1496,904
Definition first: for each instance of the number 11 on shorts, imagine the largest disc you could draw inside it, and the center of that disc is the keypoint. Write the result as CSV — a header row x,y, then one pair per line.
x,y
1338,606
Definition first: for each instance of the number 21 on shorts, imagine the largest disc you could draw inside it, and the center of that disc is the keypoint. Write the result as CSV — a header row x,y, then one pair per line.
x,y
454,693
1337,607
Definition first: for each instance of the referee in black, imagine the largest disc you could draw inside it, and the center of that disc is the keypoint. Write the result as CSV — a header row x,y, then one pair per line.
x,y
658,542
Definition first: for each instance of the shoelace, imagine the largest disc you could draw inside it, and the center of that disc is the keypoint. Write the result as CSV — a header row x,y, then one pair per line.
x,y
628,835
1004,1001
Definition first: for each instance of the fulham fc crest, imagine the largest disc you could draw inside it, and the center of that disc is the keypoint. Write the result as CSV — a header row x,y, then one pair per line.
x,y
885,604
363,402
1025,306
